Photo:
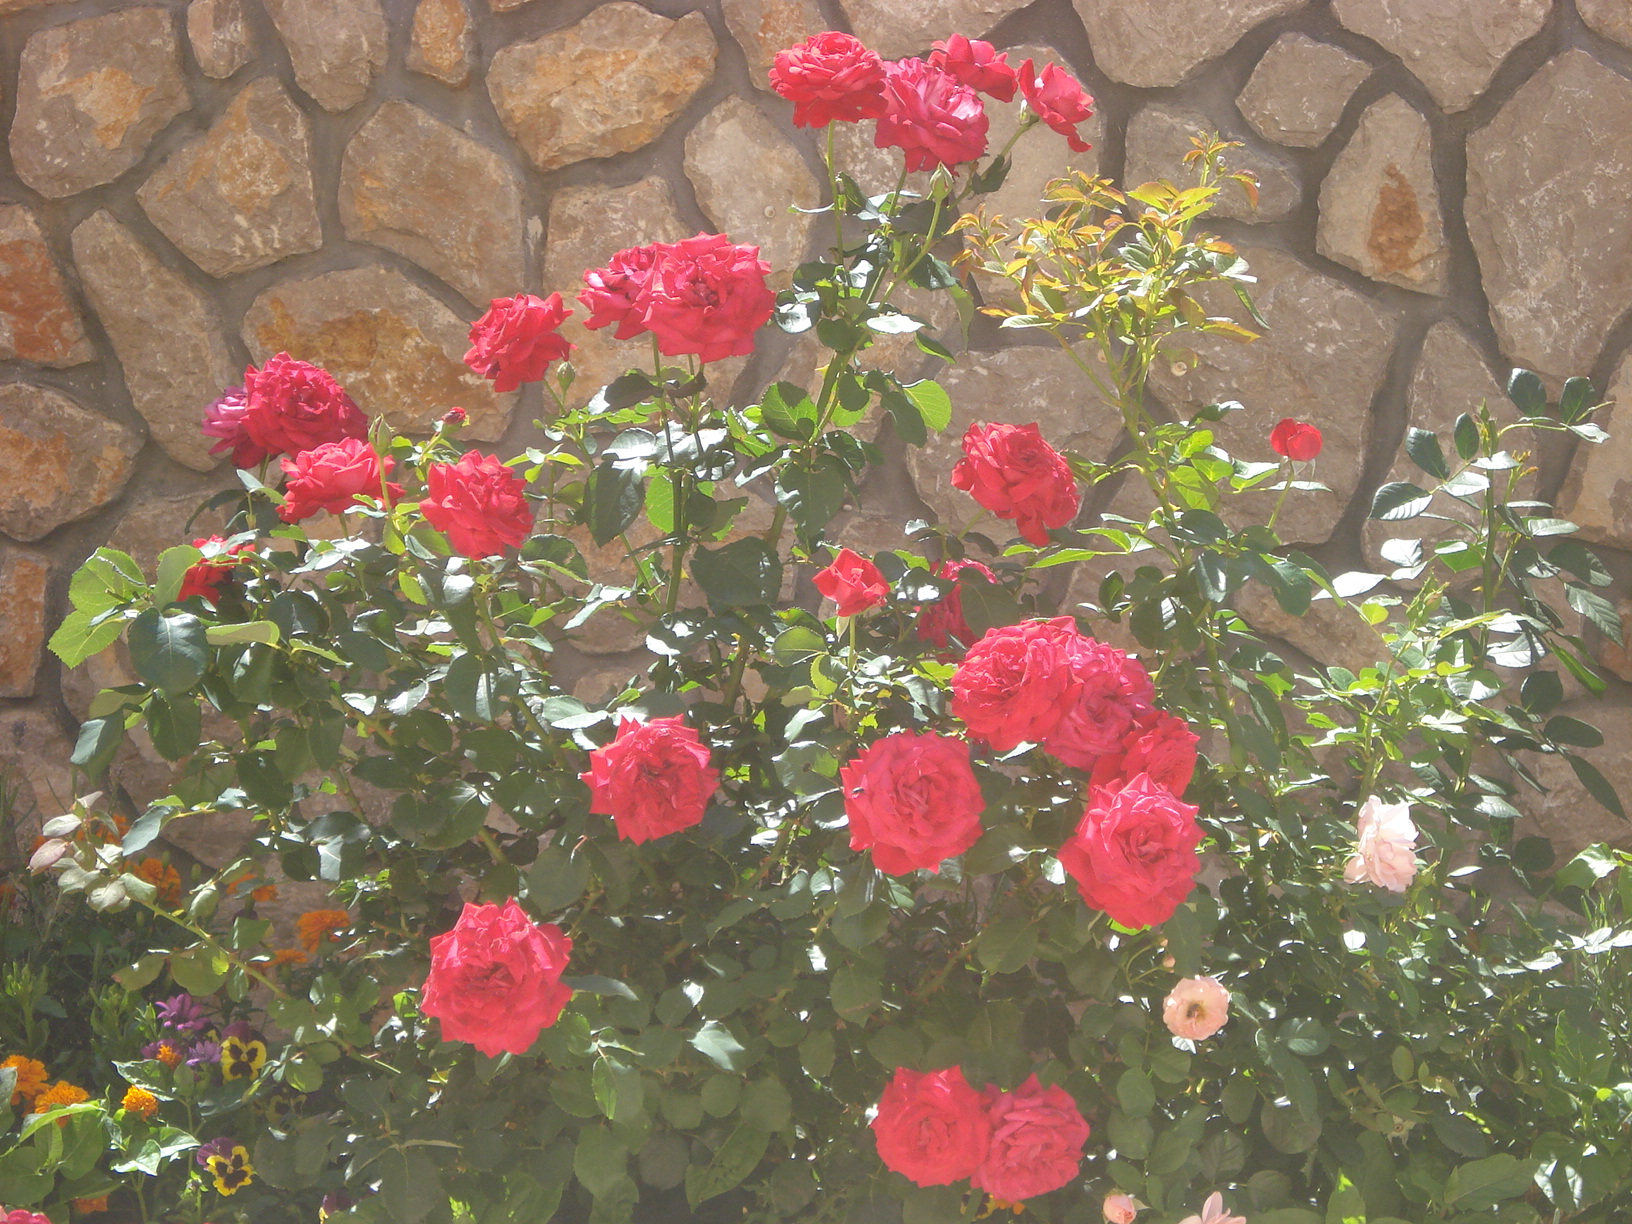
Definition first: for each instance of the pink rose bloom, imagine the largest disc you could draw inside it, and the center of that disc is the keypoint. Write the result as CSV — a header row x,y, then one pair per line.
x,y
931,1127
332,476
21,1215
1386,853
913,800
224,420
707,297
1016,475
1114,697
1017,682
932,118
295,405
830,76
976,64
1059,100
479,503
1134,853
653,779
853,582
1120,1209
1037,1138
1158,744
1212,1212
518,337
941,621
1196,1008
495,979
613,293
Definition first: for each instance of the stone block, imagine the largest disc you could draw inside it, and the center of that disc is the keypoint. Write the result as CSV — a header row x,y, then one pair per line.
x,y
58,462
38,319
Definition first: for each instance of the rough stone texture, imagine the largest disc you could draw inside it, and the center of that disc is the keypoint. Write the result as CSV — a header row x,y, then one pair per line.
x,y
23,575
504,6
444,42
58,462
749,178
220,35
1160,42
1546,213
895,28
38,320
1299,89
91,95
35,746
1598,493
1159,137
1039,156
1567,813
1453,46
1329,633
395,348
7,7
240,196
1617,656
1611,18
1379,205
764,27
336,47
607,85
167,335
416,186
1322,359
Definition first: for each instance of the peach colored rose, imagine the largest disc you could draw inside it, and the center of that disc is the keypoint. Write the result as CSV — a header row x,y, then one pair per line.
x,y
1197,1008
1120,1209
1386,852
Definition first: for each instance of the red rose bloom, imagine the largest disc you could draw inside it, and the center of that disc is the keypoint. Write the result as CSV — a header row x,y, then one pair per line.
x,y
1159,745
1134,854
295,405
478,503
495,979
1017,682
931,1127
931,118
1059,100
707,296
332,476
1037,1138
518,337
1298,441
913,800
976,64
853,582
206,578
224,420
941,621
1115,694
831,76
614,292
1012,472
653,779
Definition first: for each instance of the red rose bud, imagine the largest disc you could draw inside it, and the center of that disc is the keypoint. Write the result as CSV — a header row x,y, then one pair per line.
x,y
932,118
518,337
707,297
1134,852
1012,472
479,504
1059,100
941,621
853,582
1037,1139
332,476
912,799
614,293
295,405
1298,441
976,64
454,417
495,978
830,76
206,578
653,779
932,1127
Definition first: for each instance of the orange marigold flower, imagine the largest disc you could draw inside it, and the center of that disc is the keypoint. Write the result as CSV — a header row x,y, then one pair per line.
x,y
163,877
60,1093
169,1054
90,1206
287,956
318,926
266,892
31,1078
139,1101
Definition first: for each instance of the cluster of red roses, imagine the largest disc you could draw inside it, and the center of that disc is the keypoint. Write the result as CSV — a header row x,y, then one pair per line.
x,y
929,109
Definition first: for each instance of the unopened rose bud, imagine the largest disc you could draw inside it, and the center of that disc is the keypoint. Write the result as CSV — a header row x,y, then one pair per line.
x,y
454,417
1168,962
1120,1209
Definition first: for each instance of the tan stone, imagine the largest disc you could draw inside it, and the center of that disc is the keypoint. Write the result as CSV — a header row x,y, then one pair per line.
x,y
1331,632
1158,139
504,6
1453,46
1038,157
1322,360
220,35
24,573
419,187
764,27
1611,18
1597,495
240,196
895,28
1379,205
1299,89
1161,42
607,85
166,333
38,320
397,350
91,95
336,47
750,180
1557,262
444,42
34,749
58,462
1567,813
8,7
1617,656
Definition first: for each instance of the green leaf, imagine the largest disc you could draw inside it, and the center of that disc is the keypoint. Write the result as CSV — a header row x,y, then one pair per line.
x,y
601,1161
717,1043
612,500
1007,944
1576,400
789,411
1305,1038
264,632
476,688
1528,394
767,1105
934,404
740,574
410,1187
1597,785
738,1156
856,991
1135,1093
173,566
1466,435
99,739
199,971
77,639
106,579
168,649
1572,731
1399,500
556,879
1422,445
1587,868
1482,1184
174,725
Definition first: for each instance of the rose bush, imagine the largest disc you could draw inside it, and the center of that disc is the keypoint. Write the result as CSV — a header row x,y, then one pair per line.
x,y
735,923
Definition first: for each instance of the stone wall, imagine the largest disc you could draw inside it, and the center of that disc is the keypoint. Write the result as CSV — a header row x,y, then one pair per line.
x,y
191,186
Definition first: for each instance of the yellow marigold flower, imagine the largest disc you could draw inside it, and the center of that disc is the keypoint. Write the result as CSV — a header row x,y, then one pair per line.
x,y
31,1078
139,1101
231,1172
317,926
90,1206
163,877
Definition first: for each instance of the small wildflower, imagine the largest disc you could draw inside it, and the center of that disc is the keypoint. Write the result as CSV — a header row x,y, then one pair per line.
x,y
282,1107
319,926
204,1053
31,1078
166,1051
139,1101
163,877
183,1014
243,1052
227,1163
